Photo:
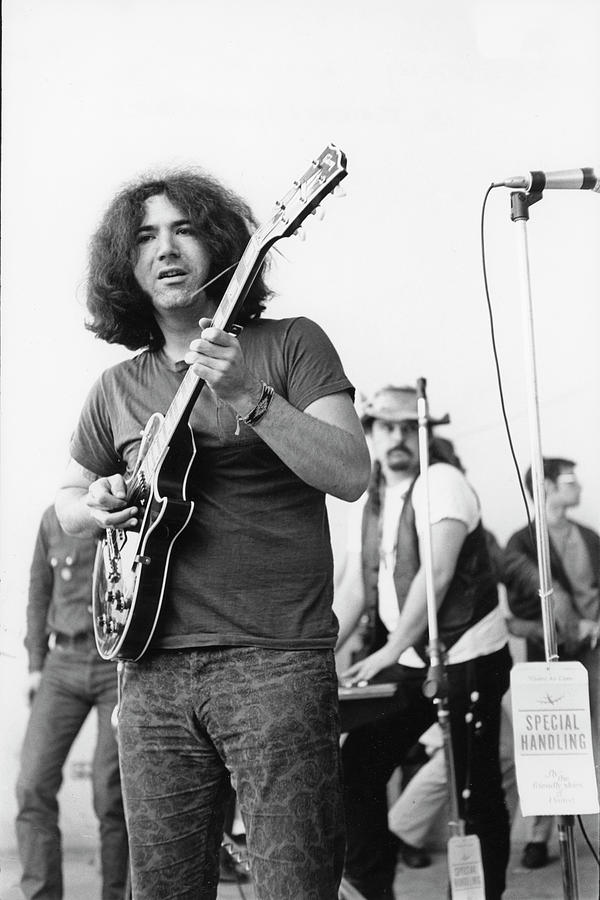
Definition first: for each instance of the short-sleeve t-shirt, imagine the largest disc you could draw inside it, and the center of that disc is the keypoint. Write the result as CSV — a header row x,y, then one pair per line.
x,y
254,566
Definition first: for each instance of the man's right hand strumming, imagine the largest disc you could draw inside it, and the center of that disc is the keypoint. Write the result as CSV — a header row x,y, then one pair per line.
x,y
106,499
87,504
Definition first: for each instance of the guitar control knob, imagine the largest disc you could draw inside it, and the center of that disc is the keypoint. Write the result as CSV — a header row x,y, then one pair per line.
x,y
114,627
115,597
122,603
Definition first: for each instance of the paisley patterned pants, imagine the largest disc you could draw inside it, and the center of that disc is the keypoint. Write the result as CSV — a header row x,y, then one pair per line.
x,y
190,722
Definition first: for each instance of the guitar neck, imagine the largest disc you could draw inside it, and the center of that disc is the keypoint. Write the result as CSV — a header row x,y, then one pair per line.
x,y
190,388
304,197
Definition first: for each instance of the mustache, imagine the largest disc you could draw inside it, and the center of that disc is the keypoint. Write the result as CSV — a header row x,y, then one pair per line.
x,y
400,446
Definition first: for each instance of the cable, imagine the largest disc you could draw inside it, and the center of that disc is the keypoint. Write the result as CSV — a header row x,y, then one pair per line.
x,y
587,840
497,366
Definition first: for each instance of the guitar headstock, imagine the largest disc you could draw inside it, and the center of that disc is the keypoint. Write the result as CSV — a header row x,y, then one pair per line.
x,y
325,172
319,180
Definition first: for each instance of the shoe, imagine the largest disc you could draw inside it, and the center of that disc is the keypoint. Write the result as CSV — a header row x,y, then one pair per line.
x,y
414,857
535,855
231,870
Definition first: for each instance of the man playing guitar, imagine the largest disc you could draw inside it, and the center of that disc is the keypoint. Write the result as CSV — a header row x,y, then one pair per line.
x,y
236,681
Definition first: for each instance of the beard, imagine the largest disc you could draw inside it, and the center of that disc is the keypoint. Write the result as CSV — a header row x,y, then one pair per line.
x,y
397,462
179,296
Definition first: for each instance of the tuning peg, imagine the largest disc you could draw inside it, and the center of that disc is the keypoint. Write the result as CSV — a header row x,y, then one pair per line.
x,y
319,213
300,233
338,191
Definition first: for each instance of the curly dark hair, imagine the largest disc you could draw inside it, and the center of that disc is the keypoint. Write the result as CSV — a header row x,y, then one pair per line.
x,y
121,313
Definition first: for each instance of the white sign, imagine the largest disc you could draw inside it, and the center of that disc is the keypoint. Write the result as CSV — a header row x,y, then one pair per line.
x,y
465,868
553,739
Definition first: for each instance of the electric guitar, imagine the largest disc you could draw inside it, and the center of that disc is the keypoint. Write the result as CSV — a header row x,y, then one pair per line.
x,y
132,567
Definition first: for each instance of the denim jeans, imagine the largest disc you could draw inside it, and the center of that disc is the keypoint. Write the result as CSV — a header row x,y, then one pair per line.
x,y
73,683
372,752
192,722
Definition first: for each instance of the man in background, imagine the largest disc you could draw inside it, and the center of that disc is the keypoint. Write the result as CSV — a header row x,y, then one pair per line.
x,y
67,679
575,569
385,578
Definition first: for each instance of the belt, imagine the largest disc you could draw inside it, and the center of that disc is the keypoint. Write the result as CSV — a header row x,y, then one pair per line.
x,y
82,641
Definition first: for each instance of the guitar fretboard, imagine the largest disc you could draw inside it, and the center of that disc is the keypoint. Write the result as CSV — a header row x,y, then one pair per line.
x,y
307,192
192,384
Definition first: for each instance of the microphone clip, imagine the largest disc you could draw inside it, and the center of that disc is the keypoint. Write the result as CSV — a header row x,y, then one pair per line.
x,y
520,203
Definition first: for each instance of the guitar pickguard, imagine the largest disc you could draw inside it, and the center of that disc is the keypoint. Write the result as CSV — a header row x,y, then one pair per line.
x,y
131,567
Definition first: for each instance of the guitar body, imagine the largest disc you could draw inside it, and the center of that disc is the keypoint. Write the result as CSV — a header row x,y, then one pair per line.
x,y
131,567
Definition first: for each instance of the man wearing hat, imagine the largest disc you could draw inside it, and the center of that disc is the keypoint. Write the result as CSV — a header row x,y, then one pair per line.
x,y
384,579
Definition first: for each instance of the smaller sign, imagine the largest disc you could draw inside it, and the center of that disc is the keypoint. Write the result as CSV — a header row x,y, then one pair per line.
x,y
553,739
465,868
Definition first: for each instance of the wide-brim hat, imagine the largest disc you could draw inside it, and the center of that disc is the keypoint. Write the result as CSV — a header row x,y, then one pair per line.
x,y
396,404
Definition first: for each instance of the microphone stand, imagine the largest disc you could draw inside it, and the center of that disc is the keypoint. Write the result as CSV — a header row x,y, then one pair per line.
x,y
435,686
520,203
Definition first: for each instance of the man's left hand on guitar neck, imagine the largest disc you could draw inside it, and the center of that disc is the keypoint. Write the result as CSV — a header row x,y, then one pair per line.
x,y
324,444
218,359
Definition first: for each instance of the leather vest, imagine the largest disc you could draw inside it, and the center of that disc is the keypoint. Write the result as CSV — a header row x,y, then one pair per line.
x,y
472,592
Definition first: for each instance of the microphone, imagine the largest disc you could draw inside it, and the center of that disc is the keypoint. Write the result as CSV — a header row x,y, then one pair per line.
x,y
566,180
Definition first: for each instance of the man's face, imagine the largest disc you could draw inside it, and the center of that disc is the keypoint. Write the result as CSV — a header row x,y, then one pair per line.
x,y
170,262
396,445
566,490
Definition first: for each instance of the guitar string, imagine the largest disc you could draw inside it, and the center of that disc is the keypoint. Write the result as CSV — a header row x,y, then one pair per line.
x,y
232,266
137,487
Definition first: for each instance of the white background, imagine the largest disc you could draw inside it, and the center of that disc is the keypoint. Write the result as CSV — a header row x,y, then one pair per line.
x,y
430,100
